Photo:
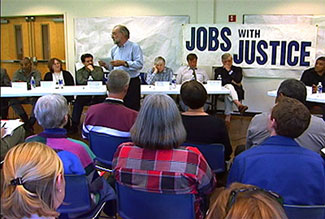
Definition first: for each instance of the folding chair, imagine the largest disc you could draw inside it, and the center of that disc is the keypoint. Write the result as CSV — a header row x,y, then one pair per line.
x,y
137,204
77,195
104,147
305,211
214,155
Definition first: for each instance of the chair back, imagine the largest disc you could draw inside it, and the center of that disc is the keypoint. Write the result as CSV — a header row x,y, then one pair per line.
x,y
104,147
77,195
137,204
214,155
305,211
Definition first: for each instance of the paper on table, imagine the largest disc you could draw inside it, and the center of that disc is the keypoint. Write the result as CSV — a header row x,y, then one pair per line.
x,y
10,126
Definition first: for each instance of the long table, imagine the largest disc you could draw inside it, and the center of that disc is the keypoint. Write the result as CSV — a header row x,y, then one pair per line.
x,y
85,90
317,98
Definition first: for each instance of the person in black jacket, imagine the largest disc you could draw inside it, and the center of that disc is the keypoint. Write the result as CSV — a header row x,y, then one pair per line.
x,y
56,72
231,78
4,82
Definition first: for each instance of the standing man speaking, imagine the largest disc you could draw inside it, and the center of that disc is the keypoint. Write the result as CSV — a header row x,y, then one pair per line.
x,y
127,56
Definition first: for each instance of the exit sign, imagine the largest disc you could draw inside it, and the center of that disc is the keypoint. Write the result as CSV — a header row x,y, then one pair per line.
x,y
232,18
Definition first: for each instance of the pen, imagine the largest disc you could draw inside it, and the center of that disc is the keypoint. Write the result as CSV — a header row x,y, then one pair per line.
x,y
3,125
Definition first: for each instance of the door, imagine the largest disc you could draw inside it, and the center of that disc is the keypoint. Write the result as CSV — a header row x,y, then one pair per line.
x,y
38,37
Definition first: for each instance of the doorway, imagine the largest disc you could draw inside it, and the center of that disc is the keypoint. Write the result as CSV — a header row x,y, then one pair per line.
x,y
38,37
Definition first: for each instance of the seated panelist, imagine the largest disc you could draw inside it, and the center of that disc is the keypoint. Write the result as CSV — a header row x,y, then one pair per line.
x,y
57,73
231,78
159,72
87,72
25,74
191,71
4,102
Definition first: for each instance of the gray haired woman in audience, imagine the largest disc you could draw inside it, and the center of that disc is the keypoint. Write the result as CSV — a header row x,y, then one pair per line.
x,y
156,154
34,185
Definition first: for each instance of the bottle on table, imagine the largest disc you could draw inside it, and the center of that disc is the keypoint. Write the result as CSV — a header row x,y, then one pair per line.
x,y
219,81
60,83
319,88
173,82
32,82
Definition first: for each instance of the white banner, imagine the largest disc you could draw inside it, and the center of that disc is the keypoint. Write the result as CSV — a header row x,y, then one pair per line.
x,y
156,35
252,46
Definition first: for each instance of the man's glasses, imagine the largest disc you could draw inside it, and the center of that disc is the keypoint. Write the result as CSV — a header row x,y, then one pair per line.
x,y
234,193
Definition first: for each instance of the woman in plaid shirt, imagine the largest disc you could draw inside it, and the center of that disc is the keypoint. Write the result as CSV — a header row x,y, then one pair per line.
x,y
155,161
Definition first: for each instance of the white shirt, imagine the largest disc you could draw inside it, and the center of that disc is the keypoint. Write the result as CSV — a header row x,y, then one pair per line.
x,y
185,73
57,76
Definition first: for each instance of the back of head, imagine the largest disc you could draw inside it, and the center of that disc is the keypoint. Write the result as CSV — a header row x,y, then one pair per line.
x,y
322,58
159,124
26,60
158,60
117,81
293,88
124,30
225,56
50,110
51,62
193,94
291,116
246,202
29,177
84,56
191,56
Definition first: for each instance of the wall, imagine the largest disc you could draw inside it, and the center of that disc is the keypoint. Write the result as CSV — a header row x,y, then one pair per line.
x,y
200,11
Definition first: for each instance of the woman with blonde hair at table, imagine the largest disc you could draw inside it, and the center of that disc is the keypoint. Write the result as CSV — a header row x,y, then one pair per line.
x,y
247,202
34,185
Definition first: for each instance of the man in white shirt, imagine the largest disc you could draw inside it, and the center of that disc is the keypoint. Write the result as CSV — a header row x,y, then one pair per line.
x,y
191,72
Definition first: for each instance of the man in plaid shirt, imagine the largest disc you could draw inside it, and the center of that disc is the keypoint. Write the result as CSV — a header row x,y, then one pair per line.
x,y
162,165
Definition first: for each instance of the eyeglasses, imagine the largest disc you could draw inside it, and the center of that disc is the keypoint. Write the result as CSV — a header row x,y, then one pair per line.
x,y
234,193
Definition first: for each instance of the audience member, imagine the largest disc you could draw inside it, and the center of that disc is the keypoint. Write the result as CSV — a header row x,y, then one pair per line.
x,y
313,138
111,116
155,161
159,72
279,163
4,82
57,73
231,78
34,185
202,128
127,56
246,202
24,74
9,141
88,72
191,72
51,112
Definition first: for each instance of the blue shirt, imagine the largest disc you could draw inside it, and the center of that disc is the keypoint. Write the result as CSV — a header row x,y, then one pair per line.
x,y
279,164
165,75
132,54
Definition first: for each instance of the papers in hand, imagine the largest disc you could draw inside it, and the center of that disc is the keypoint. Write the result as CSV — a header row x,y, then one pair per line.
x,y
10,126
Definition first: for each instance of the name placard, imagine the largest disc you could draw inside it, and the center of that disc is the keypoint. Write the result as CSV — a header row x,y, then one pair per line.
x,y
19,85
94,84
214,83
47,84
164,84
